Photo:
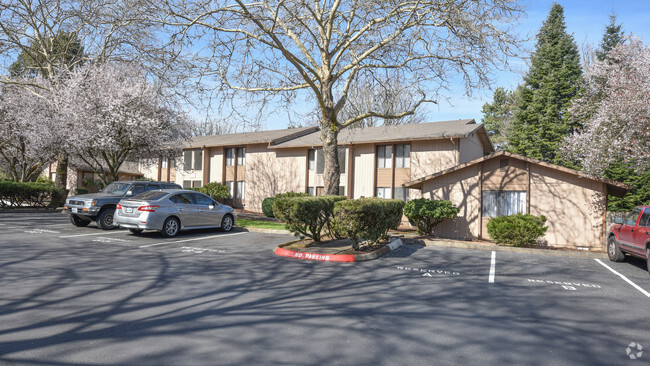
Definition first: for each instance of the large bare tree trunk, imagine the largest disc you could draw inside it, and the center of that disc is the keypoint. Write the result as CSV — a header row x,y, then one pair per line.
x,y
332,171
61,180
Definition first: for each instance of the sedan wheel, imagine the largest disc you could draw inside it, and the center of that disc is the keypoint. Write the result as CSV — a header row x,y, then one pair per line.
x,y
226,223
613,251
171,227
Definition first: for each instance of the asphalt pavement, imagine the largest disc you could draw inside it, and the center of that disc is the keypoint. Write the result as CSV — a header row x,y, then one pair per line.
x,y
83,296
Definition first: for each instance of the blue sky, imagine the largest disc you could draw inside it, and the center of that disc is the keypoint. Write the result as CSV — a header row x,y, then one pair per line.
x,y
585,19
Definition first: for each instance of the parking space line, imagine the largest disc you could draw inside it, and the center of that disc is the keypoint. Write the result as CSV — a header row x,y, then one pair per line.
x,y
624,278
492,267
102,233
186,240
68,224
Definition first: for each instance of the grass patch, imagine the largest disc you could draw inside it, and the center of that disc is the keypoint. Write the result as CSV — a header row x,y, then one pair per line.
x,y
260,224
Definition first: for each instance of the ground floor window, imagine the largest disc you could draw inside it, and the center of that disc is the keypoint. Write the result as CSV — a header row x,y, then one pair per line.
x,y
240,190
231,186
402,193
192,184
503,203
383,192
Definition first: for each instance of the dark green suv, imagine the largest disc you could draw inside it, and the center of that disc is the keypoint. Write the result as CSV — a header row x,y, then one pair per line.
x,y
100,206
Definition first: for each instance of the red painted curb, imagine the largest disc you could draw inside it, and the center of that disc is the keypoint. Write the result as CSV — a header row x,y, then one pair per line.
x,y
315,256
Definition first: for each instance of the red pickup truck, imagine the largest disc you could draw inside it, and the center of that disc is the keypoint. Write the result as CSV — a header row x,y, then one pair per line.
x,y
630,235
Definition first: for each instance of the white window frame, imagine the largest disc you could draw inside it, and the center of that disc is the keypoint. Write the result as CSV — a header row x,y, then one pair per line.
x,y
385,156
503,203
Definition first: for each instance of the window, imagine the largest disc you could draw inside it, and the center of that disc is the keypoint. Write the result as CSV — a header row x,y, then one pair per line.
x,y
183,198
230,185
403,156
192,160
310,190
152,186
341,190
311,159
163,163
151,195
631,218
384,156
402,193
202,199
137,189
383,192
240,190
230,157
503,203
342,153
645,218
320,161
191,184
241,154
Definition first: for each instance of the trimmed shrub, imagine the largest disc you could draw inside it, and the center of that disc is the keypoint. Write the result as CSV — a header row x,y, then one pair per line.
x,y
215,190
267,203
366,218
517,230
305,216
30,194
426,214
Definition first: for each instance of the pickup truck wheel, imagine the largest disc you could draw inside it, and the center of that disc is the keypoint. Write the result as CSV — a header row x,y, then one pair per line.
x,y
105,219
79,221
613,251
171,227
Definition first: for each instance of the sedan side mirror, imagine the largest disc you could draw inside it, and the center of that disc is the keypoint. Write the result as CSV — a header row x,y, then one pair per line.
x,y
618,220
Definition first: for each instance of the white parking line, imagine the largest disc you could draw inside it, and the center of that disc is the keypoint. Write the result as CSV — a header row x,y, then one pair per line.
x,y
186,240
68,224
92,234
492,267
624,278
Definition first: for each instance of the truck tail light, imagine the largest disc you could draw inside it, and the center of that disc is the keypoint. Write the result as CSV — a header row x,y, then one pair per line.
x,y
118,207
151,208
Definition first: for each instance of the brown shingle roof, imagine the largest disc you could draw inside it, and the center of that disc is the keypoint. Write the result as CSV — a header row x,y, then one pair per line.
x,y
407,132
271,137
613,187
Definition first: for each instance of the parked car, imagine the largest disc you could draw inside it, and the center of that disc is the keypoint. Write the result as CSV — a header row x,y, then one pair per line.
x,y
100,207
630,235
172,210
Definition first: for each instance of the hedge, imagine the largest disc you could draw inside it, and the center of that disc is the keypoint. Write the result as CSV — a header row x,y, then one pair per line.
x,y
267,203
517,230
217,191
366,218
306,216
426,214
31,194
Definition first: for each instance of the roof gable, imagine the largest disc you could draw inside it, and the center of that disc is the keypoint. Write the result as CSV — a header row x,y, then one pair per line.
x,y
613,187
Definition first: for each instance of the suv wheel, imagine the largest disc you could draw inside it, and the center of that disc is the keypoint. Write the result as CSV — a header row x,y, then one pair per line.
x,y
647,258
613,251
226,223
79,221
105,219
171,227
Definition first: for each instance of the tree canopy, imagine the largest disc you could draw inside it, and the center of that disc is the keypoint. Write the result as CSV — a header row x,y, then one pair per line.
x,y
318,51
541,118
497,116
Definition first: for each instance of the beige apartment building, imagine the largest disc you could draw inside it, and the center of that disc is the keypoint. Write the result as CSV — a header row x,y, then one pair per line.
x,y
374,161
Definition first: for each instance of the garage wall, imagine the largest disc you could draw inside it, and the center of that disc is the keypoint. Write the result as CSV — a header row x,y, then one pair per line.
x,y
572,205
462,189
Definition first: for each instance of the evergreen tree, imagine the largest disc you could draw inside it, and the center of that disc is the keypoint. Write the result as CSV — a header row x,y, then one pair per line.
x,y
497,116
541,120
46,56
612,37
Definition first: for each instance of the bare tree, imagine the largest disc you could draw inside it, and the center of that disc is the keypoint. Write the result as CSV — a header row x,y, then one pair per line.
x,y
298,50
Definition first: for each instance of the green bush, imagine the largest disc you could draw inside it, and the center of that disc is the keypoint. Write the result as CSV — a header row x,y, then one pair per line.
x,y
79,191
366,218
426,214
215,190
517,230
305,216
267,203
30,194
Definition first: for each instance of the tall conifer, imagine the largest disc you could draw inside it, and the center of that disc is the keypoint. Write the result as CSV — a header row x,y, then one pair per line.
x,y
541,119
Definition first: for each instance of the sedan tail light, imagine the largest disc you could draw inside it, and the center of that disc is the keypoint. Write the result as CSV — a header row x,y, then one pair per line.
x,y
151,208
118,207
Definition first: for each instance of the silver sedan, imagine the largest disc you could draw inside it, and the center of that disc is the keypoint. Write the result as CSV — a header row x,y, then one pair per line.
x,y
172,210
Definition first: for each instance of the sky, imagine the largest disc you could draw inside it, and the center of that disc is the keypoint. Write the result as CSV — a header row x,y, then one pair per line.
x,y
585,19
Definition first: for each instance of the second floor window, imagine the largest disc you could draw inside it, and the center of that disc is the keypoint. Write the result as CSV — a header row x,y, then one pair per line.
x,y
241,155
230,156
385,156
403,156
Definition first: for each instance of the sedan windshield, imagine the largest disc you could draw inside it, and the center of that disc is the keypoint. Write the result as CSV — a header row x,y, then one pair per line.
x,y
116,188
149,196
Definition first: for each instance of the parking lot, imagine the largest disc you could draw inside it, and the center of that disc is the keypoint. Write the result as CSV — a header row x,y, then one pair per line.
x,y
85,296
